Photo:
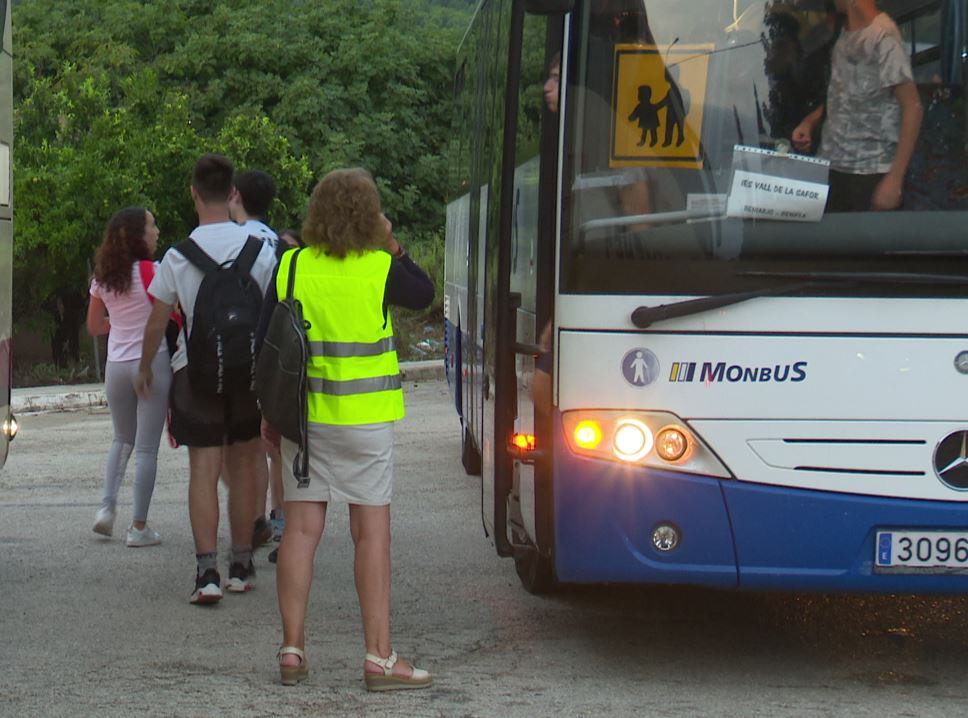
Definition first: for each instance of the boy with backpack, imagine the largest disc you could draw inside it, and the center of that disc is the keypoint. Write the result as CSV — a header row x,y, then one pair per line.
x,y
249,206
218,277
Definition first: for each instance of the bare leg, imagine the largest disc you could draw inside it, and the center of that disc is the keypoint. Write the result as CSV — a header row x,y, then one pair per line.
x,y
370,527
240,458
305,521
204,465
275,480
261,486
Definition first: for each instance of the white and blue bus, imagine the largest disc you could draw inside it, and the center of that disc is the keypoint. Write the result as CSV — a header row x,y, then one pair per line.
x,y
736,385
8,425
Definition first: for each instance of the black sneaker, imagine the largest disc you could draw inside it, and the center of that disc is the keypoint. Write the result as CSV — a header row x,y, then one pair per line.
x,y
208,588
240,578
261,533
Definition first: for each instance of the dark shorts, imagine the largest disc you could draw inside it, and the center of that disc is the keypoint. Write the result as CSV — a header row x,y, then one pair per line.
x,y
201,420
851,193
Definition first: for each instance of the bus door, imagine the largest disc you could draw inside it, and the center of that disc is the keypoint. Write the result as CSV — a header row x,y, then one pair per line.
x,y
527,491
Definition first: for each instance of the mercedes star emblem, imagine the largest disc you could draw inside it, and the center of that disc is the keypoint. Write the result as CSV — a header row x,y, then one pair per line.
x,y
951,460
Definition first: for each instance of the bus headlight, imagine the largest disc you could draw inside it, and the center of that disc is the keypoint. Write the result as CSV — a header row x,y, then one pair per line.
x,y
656,439
633,440
588,434
672,443
10,427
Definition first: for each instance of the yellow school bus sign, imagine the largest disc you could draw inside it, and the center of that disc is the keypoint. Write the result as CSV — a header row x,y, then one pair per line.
x,y
657,105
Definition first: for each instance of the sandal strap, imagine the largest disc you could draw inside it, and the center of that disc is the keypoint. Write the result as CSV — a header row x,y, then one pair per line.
x,y
386,664
292,650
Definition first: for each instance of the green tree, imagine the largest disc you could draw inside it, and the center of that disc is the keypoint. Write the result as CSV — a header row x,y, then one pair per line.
x,y
116,98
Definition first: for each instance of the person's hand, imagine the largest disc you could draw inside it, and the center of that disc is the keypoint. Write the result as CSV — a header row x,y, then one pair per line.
x,y
389,243
887,194
802,136
270,437
142,382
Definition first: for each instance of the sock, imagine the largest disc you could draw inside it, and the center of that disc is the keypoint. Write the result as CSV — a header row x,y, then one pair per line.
x,y
242,555
207,561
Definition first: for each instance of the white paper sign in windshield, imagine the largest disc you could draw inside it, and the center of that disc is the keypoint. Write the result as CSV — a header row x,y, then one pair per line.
x,y
770,185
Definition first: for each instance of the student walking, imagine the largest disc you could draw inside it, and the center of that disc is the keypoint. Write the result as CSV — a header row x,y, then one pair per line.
x,y
249,207
120,307
350,272
213,404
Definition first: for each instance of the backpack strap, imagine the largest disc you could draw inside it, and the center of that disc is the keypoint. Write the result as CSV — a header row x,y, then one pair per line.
x,y
250,252
146,268
197,256
291,281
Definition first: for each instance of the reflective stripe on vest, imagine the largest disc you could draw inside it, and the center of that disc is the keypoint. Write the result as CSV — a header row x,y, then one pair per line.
x,y
352,349
353,376
355,386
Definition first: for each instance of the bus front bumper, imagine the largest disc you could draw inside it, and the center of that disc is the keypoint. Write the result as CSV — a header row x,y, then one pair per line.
x,y
732,534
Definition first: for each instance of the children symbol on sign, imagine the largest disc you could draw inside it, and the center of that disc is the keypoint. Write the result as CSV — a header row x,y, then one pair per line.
x,y
648,116
647,113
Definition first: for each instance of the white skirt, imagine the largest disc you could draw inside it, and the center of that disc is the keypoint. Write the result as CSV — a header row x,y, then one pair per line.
x,y
352,464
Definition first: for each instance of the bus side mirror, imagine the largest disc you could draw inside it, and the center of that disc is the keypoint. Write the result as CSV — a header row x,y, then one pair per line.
x,y
548,7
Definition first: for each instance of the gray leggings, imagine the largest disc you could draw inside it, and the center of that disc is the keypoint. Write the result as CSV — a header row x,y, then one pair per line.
x,y
138,424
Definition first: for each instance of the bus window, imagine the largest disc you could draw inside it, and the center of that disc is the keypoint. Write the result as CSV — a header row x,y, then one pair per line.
x,y
682,169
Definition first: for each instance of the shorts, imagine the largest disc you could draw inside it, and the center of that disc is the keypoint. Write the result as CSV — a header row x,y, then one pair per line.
x,y
202,420
351,464
851,192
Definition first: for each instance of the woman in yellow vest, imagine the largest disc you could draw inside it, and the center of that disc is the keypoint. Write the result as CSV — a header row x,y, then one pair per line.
x,y
350,272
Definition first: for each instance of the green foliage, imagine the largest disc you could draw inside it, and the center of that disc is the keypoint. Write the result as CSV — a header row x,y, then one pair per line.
x,y
116,98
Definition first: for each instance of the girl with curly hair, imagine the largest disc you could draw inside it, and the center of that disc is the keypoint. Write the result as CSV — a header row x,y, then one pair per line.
x,y
350,272
120,305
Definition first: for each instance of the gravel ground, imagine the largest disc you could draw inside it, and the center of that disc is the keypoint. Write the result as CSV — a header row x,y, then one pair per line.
x,y
91,627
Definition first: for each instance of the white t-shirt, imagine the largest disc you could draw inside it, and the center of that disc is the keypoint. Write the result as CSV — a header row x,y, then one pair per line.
x,y
178,280
255,228
863,122
129,314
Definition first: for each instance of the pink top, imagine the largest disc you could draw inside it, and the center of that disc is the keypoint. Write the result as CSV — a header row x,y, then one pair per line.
x,y
129,315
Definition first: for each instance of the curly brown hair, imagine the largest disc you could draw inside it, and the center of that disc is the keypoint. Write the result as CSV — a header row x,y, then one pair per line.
x,y
344,213
123,245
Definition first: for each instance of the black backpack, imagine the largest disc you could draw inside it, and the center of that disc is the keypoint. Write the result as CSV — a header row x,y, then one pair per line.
x,y
221,345
281,375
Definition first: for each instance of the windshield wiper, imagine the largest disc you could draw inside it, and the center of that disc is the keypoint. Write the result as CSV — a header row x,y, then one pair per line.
x,y
644,317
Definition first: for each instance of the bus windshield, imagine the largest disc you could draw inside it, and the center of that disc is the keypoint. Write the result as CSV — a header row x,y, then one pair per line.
x,y
714,145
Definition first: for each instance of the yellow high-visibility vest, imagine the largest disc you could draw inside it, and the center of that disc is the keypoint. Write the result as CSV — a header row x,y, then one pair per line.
x,y
353,373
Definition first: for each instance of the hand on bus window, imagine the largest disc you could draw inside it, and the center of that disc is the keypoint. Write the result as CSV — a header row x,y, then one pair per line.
x,y
887,194
802,136
552,86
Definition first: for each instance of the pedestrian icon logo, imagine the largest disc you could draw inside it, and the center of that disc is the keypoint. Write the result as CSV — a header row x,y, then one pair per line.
x,y
640,367
657,105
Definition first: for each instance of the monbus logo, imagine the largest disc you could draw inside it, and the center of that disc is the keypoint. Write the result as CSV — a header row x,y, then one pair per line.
x,y
720,372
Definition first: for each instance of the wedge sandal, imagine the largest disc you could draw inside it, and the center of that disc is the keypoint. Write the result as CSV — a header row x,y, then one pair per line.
x,y
386,681
291,675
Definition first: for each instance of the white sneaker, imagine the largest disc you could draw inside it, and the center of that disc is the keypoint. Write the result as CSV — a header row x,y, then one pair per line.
x,y
104,521
142,537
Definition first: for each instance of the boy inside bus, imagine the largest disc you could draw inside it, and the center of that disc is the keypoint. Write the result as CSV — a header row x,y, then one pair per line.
x,y
872,113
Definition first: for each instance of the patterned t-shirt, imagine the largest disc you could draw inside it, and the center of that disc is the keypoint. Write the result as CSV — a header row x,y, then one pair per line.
x,y
863,116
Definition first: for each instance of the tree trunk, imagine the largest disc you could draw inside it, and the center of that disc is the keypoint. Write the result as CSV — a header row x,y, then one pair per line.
x,y
67,309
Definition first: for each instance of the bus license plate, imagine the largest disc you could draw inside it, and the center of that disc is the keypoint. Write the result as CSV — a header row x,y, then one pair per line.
x,y
922,550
